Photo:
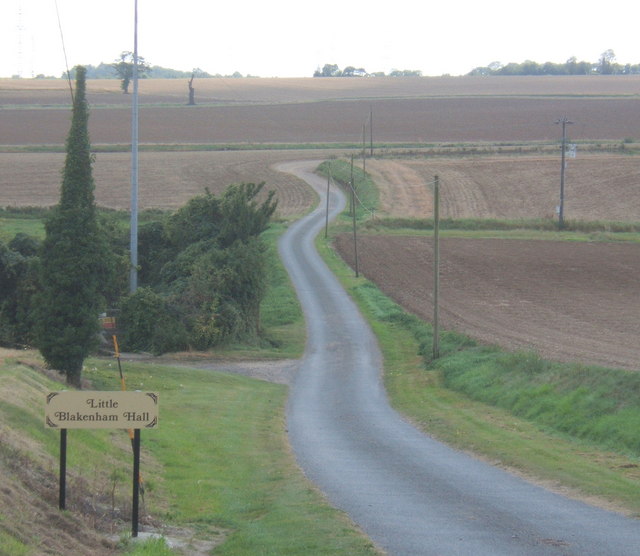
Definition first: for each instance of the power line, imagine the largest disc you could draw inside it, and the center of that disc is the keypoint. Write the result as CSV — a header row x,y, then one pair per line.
x,y
64,51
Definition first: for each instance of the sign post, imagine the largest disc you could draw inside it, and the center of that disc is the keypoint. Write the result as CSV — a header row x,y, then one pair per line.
x,y
102,410
62,491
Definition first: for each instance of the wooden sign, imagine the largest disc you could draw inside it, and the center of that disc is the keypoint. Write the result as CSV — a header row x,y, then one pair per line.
x,y
101,410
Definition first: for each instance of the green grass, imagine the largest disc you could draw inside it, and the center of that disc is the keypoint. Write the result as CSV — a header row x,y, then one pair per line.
x,y
281,314
10,546
341,171
9,227
506,228
226,466
150,547
597,405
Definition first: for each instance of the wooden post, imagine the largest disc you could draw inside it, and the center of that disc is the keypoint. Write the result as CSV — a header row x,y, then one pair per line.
x,y
62,496
136,483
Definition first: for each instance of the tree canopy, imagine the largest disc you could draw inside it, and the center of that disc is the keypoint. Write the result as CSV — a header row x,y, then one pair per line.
x,y
124,66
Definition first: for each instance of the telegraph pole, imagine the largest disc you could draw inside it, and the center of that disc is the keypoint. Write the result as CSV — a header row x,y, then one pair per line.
x,y
564,121
371,131
364,148
436,267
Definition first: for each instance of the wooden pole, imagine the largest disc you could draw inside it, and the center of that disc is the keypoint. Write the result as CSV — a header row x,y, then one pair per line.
x,y
364,148
436,268
371,131
326,219
355,239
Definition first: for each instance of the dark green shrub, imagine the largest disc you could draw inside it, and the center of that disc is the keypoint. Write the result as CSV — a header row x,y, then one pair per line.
x,y
147,323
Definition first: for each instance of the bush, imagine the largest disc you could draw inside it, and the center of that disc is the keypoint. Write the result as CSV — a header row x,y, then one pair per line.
x,y
147,324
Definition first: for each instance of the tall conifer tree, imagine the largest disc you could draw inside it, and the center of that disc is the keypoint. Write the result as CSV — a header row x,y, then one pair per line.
x,y
73,257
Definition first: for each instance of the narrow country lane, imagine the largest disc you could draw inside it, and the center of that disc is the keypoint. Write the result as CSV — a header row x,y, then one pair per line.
x,y
411,494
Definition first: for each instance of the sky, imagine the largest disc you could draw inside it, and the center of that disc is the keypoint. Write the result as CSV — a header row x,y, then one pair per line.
x,y
287,38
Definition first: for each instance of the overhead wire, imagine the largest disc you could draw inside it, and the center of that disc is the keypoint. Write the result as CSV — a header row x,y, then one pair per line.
x,y
64,50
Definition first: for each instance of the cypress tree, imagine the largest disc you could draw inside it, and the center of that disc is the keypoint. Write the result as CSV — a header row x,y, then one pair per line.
x,y
73,257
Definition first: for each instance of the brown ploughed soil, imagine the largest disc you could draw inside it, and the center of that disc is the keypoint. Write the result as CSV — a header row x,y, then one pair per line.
x,y
333,110
597,187
566,301
166,180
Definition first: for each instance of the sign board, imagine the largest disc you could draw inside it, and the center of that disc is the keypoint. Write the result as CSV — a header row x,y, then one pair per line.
x,y
101,410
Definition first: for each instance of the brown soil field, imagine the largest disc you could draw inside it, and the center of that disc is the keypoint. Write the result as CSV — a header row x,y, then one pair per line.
x,y
597,187
566,301
410,120
265,90
330,110
166,180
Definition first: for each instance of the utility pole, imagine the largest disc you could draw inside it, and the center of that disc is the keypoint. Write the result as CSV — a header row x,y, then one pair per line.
x,y
353,190
133,241
364,148
371,131
326,218
436,267
564,121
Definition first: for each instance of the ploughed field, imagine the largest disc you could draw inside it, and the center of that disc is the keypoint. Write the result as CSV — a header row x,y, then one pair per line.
x,y
167,180
331,110
603,187
567,300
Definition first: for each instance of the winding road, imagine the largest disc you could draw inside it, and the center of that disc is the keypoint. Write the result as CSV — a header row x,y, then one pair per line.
x,y
411,494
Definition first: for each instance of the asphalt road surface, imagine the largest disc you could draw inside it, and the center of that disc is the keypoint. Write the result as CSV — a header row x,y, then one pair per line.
x,y
411,494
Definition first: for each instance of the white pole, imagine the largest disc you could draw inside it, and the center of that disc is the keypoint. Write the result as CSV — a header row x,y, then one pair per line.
x,y
133,275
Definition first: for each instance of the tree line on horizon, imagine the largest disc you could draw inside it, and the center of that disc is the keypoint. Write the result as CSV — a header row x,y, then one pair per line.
x,y
606,65
333,70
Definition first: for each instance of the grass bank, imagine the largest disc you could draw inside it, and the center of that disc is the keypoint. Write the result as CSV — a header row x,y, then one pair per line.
x,y
218,467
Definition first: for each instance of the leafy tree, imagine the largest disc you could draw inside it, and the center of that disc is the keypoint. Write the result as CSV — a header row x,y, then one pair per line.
x,y
73,257
328,70
123,67
605,64
244,217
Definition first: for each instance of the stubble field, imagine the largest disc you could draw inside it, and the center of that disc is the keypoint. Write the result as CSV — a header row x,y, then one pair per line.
x,y
575,301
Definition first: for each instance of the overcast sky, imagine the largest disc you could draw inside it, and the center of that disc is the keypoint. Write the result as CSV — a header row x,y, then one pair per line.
x,y
287,38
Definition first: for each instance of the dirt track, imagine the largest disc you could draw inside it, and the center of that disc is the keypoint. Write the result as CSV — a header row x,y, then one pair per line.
x,y
567,301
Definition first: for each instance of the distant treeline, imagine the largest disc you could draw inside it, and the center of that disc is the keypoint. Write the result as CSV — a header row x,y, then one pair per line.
x,y
332,70
107,71
606,65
